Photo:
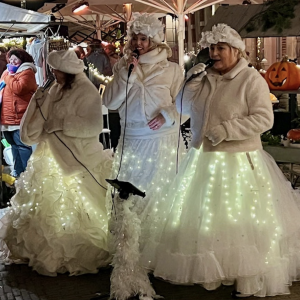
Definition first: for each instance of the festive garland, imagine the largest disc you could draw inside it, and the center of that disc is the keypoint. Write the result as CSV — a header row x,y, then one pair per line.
x,y
128,278
278,15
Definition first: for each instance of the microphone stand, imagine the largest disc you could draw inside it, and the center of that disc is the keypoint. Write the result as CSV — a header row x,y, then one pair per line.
x,y
128,279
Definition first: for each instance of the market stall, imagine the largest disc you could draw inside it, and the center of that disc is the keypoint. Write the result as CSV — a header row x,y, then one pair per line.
x,y
15,25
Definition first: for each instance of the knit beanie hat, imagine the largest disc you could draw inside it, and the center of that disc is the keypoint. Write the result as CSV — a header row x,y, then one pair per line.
x,y
224,34
148,25
65,61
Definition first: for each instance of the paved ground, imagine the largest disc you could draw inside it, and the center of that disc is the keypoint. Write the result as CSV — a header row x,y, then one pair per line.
x,y
19,282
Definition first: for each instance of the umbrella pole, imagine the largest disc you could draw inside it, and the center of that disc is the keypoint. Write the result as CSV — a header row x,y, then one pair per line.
x,y
98,27
181,37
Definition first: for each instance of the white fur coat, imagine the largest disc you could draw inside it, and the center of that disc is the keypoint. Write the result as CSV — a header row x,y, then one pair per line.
x,y
152,89
78,112
238,103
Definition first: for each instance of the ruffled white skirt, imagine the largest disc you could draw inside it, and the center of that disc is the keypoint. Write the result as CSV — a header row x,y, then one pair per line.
x,y
149,163
56,223
229,218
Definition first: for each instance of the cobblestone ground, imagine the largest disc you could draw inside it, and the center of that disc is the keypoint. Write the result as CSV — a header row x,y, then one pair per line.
x,y
19,282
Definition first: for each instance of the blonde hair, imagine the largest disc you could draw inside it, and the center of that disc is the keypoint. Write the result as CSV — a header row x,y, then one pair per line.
x,y
243,54
128,48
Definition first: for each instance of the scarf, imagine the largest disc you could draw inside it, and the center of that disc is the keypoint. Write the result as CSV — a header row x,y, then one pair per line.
x,y
12,68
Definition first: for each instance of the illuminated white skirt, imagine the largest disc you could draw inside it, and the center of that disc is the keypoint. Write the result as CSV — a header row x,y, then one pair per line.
x,y
149,163
56,223
229,218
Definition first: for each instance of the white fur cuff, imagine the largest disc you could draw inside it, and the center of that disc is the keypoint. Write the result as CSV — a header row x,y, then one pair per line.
x,y
169,120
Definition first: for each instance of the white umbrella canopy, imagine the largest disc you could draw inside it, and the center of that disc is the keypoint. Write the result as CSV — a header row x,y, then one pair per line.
x,y
114,11
119,11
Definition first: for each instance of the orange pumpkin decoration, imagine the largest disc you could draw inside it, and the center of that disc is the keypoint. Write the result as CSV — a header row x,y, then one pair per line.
x,y
294,134
283,76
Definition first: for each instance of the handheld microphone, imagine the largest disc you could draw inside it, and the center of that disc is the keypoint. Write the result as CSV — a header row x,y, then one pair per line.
x,y
208,64
137,54
48,83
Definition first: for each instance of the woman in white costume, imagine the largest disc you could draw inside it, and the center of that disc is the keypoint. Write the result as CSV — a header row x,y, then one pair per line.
x,y
58,221
150,116
234,218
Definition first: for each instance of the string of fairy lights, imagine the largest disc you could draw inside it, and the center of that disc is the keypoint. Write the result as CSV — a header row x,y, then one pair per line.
x,y
94,72
69,201
233,199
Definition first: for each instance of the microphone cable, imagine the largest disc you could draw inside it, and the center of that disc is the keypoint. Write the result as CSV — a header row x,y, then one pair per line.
x,y
179,129
131,67
71,150
125,124
113,192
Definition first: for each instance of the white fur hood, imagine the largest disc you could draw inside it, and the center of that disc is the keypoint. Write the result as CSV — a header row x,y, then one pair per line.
x,y
26,66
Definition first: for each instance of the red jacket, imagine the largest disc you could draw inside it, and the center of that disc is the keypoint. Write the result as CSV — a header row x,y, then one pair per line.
x,y
17,93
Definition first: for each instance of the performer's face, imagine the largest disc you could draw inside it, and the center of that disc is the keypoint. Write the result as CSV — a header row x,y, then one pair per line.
x,y
140,42
59,76
225,57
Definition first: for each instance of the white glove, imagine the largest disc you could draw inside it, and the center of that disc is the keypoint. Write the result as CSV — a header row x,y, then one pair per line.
x,y
196,70
216,134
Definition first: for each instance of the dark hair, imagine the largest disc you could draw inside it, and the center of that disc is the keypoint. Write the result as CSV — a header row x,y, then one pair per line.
x,y
95,44
77,51
110,49
3,49
20,54
69,79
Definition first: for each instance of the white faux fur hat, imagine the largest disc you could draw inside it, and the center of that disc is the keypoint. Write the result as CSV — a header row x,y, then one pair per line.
x,y
148,25
224,34
65,61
